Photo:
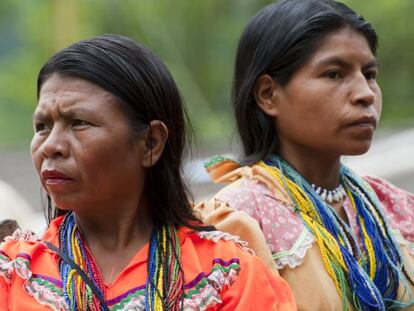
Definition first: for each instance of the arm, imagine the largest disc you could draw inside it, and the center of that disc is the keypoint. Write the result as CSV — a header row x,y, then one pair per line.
x,y
398,205
311,284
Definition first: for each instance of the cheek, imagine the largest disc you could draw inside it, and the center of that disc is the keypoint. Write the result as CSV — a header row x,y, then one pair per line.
x,y
35,153
378,105
103,162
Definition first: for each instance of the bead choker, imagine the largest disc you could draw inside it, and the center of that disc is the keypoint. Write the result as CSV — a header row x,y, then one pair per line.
x,y
330,196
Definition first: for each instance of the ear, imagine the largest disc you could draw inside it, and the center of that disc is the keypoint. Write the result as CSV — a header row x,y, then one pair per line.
x,y
266,95
155,140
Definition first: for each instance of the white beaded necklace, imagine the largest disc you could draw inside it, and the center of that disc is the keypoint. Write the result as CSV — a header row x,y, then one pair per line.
x,y
330,196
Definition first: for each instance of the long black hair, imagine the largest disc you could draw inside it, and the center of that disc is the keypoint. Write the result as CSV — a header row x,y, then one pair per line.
x,y
278,41
146,91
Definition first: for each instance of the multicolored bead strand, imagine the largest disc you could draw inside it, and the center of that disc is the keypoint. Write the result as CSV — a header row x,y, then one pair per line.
x,y
77,294
165,281
366,271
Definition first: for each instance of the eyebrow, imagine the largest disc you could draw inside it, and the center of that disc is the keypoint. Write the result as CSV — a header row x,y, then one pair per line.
x,y
65,114
71,111
335,60
40,116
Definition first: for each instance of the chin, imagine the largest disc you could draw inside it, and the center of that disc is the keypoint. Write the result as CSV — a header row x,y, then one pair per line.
x,y
62,203
357,149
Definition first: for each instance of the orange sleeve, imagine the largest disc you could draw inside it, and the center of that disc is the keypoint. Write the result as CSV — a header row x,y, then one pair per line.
x,y
4,295
259,288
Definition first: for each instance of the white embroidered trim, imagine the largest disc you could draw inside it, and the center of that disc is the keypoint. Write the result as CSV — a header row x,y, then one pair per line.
x,y
215,236
22,235
46,297
294,256
207,297
136,303
42,295
6,269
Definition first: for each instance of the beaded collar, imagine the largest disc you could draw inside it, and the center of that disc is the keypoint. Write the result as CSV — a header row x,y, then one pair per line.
x,y
165,281
367,274
330,196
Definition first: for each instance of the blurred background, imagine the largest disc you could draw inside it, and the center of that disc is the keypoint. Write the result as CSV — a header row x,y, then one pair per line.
x,y
197,40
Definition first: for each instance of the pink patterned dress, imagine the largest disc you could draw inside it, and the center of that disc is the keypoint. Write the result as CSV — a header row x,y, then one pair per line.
x,y
291,246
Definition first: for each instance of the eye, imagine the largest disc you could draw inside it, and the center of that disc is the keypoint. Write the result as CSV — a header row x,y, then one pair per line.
x,y
333,74
79,123
371,75
41,127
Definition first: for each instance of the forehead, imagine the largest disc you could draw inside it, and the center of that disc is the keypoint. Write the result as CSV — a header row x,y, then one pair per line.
x,y
347,44
69,92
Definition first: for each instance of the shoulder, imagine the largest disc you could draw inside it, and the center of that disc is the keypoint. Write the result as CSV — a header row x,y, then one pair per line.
x,y
229,271
226,171
246,187
216,252
20,242
16,255
23,250
213,244
388,192
26,241
398,205
254,191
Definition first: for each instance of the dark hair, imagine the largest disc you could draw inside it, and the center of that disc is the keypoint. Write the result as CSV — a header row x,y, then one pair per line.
x,y
145,91
278,41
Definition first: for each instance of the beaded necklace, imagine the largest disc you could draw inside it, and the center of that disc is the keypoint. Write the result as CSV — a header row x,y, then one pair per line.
x,y
367,273
165,280
335,195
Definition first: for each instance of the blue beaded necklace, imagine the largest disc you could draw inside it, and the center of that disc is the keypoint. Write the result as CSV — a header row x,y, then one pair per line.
x,y
165,280
370,272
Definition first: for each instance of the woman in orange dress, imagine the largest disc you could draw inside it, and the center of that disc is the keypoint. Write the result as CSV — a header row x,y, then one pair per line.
x,y
108,145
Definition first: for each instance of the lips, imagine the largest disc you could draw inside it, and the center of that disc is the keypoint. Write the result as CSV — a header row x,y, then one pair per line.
x,y
55,177
365,121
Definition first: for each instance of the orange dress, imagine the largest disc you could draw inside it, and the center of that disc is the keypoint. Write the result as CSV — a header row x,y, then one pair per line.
x,y
219,272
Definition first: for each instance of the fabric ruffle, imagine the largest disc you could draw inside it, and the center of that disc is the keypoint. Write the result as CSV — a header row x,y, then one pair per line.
x,y
22,235
295,256
215,236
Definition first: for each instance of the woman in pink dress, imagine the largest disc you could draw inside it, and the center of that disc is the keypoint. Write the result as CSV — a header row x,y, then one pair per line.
x,y
305,93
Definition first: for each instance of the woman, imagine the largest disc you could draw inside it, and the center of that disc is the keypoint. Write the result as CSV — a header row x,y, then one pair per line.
x,y
305,93
108,146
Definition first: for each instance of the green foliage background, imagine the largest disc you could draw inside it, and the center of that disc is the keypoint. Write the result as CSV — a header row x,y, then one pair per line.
x,y
197,39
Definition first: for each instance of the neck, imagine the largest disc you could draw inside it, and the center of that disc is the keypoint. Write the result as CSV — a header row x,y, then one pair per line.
x,y
319,169
116,227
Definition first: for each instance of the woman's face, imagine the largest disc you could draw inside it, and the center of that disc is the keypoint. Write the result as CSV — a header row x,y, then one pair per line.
x,y
82,147
333,103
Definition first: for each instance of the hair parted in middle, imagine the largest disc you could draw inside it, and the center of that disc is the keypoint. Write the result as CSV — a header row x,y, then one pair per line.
x,y
278,41
145,91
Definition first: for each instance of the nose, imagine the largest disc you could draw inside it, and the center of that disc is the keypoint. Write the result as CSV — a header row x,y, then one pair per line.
x,y
362,92
56,144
